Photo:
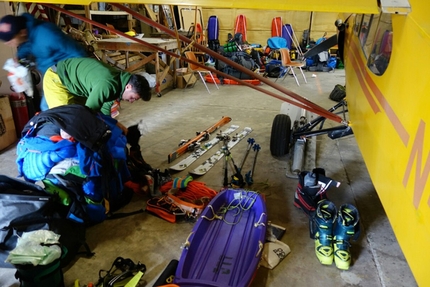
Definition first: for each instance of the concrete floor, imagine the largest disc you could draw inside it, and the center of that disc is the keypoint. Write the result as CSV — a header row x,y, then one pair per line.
x,y
178,114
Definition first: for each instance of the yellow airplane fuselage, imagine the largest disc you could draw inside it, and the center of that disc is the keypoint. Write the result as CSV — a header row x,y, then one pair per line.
x,y
391,121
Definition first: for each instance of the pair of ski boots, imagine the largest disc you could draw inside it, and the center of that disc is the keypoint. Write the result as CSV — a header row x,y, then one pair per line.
x,y
332,230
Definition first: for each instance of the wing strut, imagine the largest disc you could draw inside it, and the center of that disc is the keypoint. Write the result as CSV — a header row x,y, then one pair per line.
x,y
298,101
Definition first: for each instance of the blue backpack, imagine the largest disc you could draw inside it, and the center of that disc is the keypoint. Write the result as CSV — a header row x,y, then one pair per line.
x,y
277,43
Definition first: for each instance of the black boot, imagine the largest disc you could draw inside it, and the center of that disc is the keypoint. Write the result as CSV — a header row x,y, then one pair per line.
x,y
309,191
135,161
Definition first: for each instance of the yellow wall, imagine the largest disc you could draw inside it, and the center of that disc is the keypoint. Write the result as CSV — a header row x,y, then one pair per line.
x,y
259,23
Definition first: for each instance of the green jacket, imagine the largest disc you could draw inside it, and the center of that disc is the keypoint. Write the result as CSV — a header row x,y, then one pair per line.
x,y
100,83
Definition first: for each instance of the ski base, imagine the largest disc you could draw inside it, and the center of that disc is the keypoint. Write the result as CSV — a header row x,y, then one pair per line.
x,y
202,149
185,145
210,162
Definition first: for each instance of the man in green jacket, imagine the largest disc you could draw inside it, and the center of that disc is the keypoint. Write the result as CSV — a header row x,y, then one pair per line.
x,y
92,83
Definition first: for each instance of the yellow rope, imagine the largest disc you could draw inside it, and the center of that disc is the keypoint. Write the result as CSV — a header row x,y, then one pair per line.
x,y
214,215
245,202
260,248
187,242
236,207
258,223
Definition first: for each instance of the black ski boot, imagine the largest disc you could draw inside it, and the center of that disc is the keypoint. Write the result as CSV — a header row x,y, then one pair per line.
x,y
309,191
135,159
321,229
160,178
141,172
347,227
137,163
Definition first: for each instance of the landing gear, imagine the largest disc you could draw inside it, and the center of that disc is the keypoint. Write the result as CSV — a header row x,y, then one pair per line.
x,y
287,137
281,134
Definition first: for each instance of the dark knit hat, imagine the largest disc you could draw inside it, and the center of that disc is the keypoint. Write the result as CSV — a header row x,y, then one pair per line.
x,y
17,23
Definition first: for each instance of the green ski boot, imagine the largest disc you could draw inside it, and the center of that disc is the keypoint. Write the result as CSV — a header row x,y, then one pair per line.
x,y
347,227
321,229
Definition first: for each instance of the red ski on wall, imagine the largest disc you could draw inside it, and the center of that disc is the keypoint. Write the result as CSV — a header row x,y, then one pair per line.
x,y
240,26
277,27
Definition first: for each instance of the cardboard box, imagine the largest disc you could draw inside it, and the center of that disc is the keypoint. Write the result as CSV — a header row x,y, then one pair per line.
x,y
186,80
7,125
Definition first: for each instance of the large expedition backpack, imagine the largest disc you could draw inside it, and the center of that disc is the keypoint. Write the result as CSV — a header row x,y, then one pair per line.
x,y
91,167
241,58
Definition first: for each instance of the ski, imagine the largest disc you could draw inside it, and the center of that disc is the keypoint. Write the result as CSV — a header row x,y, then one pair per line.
x,y
202,148
210,162
184,147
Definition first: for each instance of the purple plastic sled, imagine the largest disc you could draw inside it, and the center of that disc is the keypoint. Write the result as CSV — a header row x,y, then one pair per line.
x,y
225,245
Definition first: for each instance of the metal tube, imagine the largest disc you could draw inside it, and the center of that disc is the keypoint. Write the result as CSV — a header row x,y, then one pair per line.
x,y
299,151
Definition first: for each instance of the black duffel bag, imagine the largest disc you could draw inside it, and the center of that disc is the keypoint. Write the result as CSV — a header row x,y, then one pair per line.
x,y
26,207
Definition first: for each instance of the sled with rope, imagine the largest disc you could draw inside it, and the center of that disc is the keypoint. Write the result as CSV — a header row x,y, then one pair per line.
x,y
225,245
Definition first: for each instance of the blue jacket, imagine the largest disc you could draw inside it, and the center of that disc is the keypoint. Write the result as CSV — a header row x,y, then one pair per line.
x,y
37,155
48,44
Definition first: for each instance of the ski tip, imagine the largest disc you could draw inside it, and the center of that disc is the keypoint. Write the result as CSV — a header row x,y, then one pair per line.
x,y
196,173
248,129
175,169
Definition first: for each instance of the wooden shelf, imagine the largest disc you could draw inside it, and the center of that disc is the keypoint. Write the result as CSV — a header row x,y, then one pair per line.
x,y
88,13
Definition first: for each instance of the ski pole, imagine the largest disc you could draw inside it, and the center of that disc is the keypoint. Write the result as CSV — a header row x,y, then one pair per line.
x,y
225,182
225,140
250,174
251,142
236,179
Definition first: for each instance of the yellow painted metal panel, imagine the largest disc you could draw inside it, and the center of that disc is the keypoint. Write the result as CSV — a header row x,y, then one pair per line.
x,y
362,6
390,118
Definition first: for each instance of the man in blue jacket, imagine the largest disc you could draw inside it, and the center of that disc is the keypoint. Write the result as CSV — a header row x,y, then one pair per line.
x,y
40,41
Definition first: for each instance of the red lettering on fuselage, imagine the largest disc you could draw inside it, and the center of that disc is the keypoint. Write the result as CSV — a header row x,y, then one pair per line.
x,y
372,92
422,170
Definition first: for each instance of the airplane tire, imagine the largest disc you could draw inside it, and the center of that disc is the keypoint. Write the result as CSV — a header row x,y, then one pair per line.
x,y
280,136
